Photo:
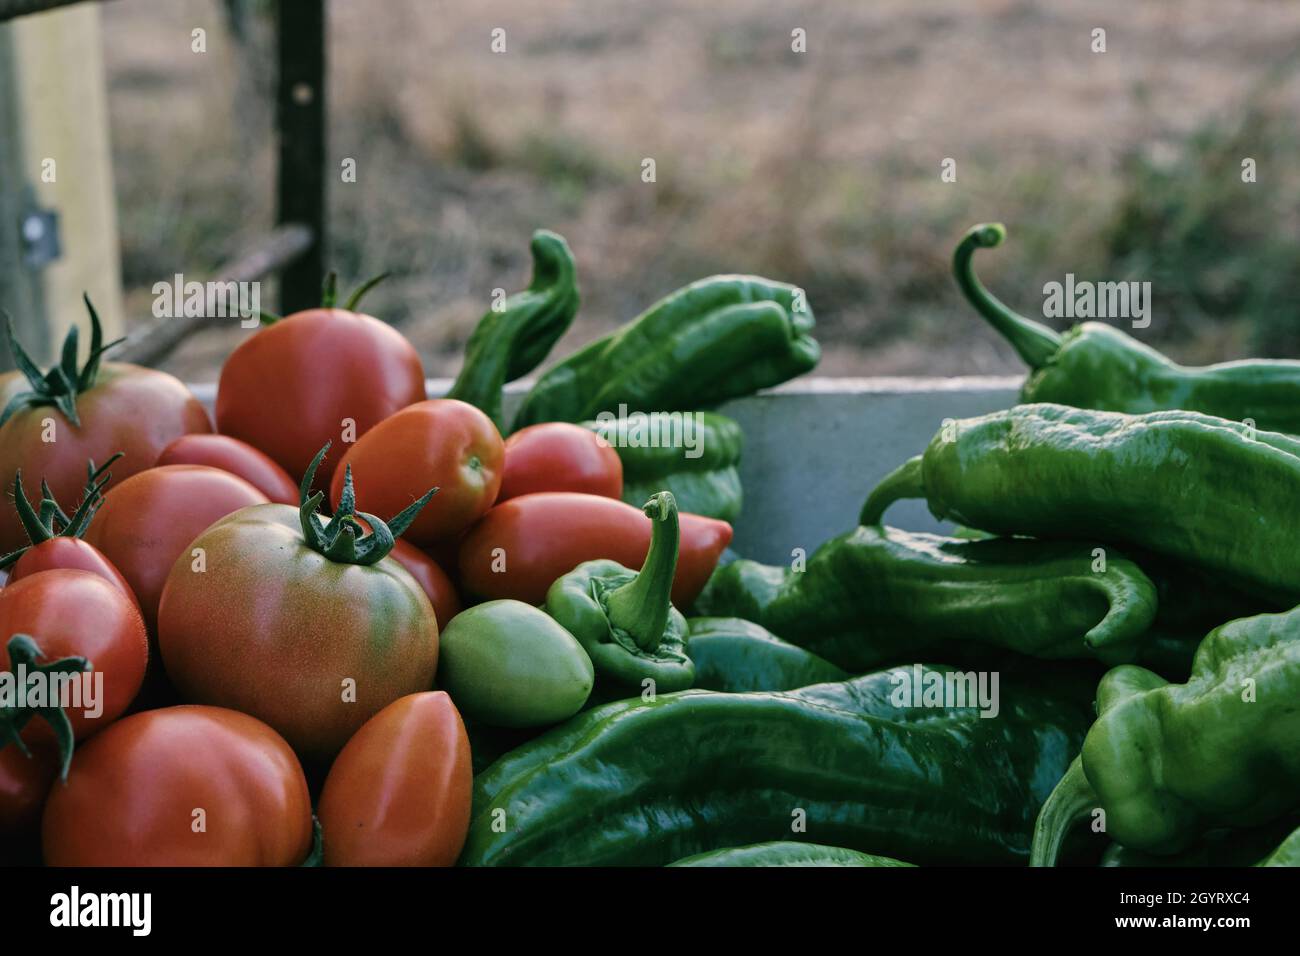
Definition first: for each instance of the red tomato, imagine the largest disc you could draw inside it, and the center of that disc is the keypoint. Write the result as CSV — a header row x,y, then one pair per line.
x,y
79,614
71,554
522,545
445,443
181,786
130,409
431,577
24,782
238,458
560,456
399,792
312,646
149,520
297,384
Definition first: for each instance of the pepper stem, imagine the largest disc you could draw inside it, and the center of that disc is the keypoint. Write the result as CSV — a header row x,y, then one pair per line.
x,y
1034,342
1068,804
905,481
640,607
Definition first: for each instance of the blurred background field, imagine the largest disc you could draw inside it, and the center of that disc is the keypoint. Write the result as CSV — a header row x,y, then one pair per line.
x,y
820,168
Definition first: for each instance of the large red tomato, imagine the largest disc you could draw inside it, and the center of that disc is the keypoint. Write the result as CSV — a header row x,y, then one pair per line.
x,y
522,545
442,443
560,456
115,408
312,644
399,792
238,458
149,520
314,377
181,786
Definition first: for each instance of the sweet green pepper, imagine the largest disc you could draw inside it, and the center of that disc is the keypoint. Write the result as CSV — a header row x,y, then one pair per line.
x,y
1167,762
624,619
1286,854
735,655
1184,485
787,853
1248,847
877,595
852,764
1095,365
713,340
692,454
510,342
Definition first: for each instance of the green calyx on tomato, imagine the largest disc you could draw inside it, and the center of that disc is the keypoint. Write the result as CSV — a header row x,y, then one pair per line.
x,y
329,296
51,521
343,538
61,385
24,653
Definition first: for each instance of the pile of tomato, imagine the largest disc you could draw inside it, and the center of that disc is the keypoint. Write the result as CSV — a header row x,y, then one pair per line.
x,y
269,654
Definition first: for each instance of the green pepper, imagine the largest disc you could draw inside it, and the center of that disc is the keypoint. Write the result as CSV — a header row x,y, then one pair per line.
x,y
713,340
1217,848
1095,365
853,764
624,619
787,853
1286,854
692,454
510,342
877,595
1181,484
1167,762
735,655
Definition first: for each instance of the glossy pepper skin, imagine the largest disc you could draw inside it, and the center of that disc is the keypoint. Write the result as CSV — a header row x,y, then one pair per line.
x,y
1184,485
1167,762
787,853
649,782
509,343
876,596
712,340
735,656
624,619
692,454
1095,365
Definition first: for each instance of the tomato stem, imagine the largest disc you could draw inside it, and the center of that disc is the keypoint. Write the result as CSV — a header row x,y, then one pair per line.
x,y
51,521
24,653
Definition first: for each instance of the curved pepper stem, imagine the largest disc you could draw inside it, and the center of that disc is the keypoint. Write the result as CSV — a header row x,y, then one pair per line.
x,y
1068,804
641,606
905,481
1034,342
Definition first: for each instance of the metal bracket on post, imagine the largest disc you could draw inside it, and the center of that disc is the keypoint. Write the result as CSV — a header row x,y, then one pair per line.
x,y
39,230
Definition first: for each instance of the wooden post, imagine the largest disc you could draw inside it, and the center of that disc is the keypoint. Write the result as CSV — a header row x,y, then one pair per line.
x,y
300,121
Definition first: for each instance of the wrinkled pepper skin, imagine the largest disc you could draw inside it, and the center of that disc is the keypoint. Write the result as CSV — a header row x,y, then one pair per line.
x,y
713,340
876,596
737,656
649,782
1168,762
787,853
510,343
695,456
1181,484
1095,365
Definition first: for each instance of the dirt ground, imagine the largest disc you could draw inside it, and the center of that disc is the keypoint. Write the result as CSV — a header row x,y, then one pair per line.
x,y
820,168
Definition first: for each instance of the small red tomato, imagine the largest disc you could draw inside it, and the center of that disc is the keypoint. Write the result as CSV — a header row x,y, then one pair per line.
x,y
399,793
522,545
71,554
444,443
238,458
560,456
181,786
431,577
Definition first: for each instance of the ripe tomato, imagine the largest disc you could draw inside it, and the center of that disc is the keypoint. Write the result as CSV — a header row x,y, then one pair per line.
x,y
238,458
297,384
70,554
181,786
522,545
399,792
431,577
444,443
560,456
24,782
149,520
79,614
311,645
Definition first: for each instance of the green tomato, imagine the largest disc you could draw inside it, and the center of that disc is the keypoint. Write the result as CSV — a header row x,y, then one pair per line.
x,y
508,664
